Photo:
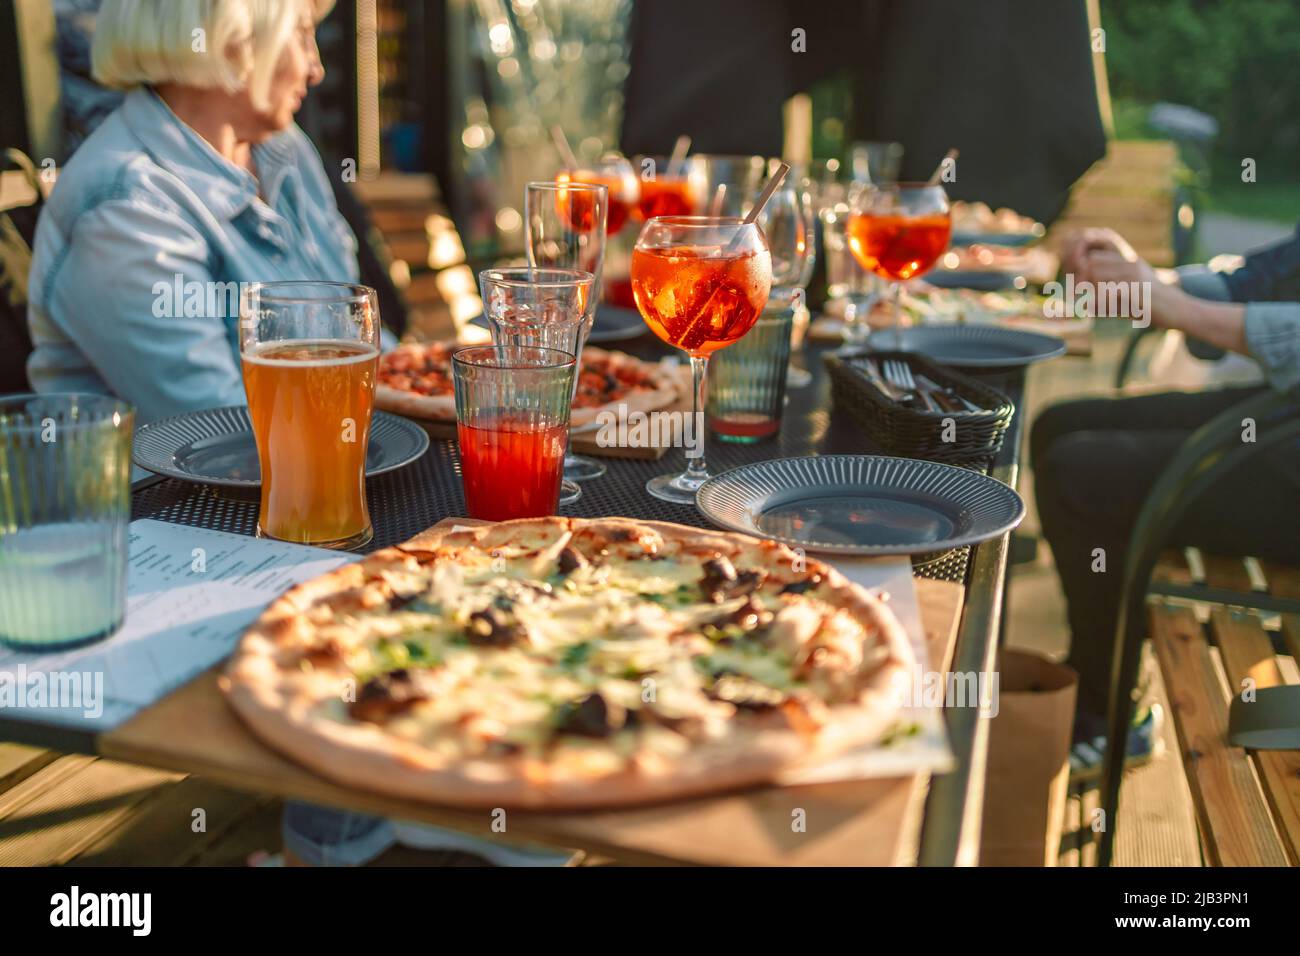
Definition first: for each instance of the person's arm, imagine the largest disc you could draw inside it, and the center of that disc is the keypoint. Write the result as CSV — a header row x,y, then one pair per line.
x,y
1269,274
114,297
1268,332
1221,324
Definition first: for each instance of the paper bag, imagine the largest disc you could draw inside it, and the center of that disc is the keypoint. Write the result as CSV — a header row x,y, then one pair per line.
x,y
1029,761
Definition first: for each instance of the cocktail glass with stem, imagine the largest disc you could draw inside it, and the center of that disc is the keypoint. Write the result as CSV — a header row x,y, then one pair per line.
x,y
898,232
700,283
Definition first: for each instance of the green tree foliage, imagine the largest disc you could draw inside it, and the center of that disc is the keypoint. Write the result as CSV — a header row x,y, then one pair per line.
x,y
1238,61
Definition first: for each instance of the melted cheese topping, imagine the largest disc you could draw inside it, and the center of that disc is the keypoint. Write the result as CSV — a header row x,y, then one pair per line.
x,y
636,630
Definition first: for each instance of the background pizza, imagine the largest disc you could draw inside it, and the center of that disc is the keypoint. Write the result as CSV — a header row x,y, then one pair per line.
x,y
416,380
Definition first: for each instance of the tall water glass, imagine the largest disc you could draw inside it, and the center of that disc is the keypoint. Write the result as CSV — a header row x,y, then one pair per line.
x,y
65,501
856,289
566,230
790,227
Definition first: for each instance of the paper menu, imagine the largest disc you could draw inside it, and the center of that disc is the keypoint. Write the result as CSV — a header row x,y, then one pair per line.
x,y
191,593
927,748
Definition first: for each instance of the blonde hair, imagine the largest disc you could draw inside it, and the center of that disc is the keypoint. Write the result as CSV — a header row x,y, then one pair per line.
x,y
231,45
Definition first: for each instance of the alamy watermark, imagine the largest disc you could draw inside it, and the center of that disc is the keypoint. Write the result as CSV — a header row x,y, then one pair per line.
x,y
52,690
181,299
624,428
1125,300
933,690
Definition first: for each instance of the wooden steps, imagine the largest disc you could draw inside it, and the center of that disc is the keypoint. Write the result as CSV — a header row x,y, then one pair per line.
x,y
419,240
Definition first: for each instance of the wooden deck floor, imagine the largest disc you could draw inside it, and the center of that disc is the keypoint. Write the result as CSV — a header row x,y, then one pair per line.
x,y
60,809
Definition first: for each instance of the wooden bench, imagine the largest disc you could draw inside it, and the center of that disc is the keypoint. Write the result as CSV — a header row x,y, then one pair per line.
x,y
1247,802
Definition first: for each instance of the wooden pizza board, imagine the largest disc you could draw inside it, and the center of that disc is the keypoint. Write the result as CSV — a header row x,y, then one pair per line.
x,y
853,823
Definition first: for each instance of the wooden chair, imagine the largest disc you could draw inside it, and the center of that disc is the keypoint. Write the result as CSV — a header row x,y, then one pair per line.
x,y
22,192
1247,802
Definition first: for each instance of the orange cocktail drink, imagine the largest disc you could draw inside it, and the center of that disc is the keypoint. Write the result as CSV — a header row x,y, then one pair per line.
x,y
700,299
700,284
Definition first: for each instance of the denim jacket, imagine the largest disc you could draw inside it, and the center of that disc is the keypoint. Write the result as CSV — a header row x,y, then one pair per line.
x,y
145,235
1268,283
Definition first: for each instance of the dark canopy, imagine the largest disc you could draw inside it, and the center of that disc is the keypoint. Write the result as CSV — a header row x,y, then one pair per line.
x,y
1008,82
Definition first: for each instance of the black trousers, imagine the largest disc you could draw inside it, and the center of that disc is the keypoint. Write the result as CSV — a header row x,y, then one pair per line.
x,y
1094,463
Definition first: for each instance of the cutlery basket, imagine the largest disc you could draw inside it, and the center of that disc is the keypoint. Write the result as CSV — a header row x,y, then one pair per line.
x,y
970,439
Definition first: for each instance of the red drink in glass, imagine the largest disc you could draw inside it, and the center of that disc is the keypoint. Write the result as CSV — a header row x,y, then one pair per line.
x,y
511,467
897,246
665,196
622,197
619,292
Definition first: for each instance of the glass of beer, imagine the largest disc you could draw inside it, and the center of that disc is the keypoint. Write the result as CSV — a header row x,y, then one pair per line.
x,y
310,351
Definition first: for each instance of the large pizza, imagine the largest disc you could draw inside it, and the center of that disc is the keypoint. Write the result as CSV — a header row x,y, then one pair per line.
x,y
416,380
563,663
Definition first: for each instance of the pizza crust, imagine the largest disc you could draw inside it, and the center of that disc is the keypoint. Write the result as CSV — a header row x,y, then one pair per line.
x,y
281,704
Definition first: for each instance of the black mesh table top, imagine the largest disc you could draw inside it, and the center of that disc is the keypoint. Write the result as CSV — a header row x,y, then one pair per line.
x,y
406,501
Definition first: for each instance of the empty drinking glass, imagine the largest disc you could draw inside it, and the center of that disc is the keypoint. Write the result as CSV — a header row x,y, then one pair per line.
x,y
566,226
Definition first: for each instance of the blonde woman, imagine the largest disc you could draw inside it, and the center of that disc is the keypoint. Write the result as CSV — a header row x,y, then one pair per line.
x,y
199,179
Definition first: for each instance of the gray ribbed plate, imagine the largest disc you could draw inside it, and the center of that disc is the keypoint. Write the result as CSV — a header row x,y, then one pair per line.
x,y
969,346
861,504
215,446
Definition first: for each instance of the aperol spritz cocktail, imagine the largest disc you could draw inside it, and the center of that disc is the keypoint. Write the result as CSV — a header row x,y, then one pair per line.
x,y
700,283
897,232
898,247
699,298
615,173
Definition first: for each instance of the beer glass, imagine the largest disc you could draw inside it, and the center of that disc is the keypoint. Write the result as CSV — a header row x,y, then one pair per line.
x,y
310,351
